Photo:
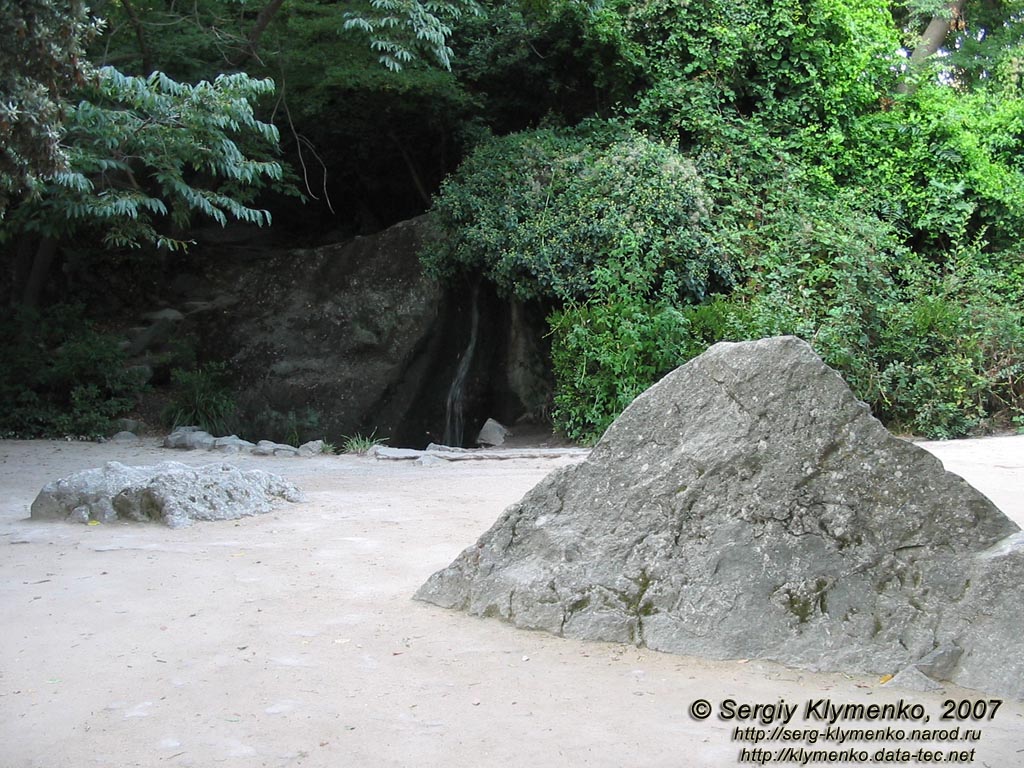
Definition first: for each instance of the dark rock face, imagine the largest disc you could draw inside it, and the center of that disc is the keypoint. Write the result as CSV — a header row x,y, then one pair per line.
x,y
324,341
352,338
748,506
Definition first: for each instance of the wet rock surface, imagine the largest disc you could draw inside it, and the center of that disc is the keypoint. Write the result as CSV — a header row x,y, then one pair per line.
x,y
749,506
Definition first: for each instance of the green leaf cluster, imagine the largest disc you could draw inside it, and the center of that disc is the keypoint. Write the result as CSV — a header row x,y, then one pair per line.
x,y
788,66
819,198
41,60
61,376
936,350
143,149
944,167
400,30
202,397
571,214
606,352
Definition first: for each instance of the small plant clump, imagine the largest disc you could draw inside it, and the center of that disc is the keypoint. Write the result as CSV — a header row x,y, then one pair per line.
x,y
61,376
358,444
202,398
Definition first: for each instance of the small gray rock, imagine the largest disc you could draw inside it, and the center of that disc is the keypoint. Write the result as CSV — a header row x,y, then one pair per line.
x,y
492,434
386,452
199,440
940,663
312,448
270,448
179,438
125,437
264,448
913,679
231,444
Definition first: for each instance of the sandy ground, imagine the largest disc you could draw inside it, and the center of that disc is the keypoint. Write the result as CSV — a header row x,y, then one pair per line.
x,y
291,640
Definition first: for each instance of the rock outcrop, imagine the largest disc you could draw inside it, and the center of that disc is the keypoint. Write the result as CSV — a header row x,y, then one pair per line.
x,y
172,493
353,338
343,339
749,506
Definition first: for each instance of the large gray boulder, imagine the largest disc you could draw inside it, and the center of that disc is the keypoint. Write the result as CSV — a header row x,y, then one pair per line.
x,y
172,493
749,506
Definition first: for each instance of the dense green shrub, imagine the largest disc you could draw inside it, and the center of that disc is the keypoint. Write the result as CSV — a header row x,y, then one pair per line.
x,y
813,182
61,377
935,350
788,66
607,352
945,167
951,353
575,213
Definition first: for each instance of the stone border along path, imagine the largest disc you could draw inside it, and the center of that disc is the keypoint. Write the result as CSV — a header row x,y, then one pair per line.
x,y
437,453
193,438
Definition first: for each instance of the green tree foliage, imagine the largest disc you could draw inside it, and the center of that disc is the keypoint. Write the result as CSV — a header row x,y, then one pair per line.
x,y
606,352
934,350
373,142
537,63
144,154
140,149
980,41
96,153
945,167
40,62
402,30
369,144
789,66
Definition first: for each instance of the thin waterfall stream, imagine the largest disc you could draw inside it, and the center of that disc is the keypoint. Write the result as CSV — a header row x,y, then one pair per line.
x,y
454,416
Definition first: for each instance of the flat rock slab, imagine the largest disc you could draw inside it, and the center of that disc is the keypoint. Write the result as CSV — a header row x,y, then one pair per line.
x,y
170,492
749,506
446,453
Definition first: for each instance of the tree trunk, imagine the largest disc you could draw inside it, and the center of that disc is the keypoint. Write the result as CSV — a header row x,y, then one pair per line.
x,y
936,32
262,21
41,264
933,37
